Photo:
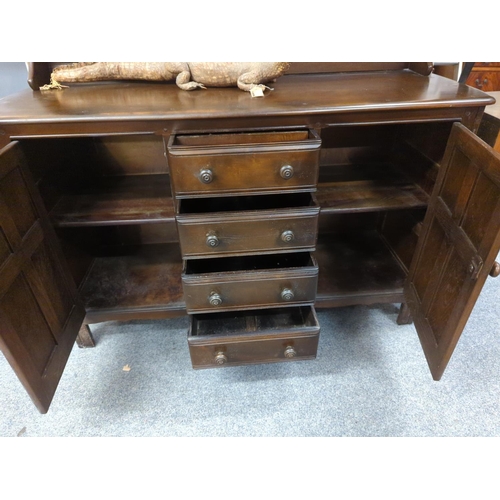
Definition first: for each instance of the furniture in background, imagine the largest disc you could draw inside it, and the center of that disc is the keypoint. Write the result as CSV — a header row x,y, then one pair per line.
x,y
485,76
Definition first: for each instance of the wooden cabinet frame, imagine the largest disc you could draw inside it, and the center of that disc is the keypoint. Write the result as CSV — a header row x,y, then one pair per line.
x,y
66,140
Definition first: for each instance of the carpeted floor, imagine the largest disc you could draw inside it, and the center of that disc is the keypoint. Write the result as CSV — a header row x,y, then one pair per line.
x,y
370,379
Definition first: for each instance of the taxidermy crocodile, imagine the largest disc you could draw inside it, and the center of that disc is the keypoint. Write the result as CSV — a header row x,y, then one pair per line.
x,y
187,76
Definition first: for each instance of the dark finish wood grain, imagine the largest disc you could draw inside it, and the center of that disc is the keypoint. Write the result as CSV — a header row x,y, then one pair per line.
x,y
222,164
125,106
39,312
84,338
342,67
264,336
249,282
489,130
114,200
96,153
365,188
457,247
247,225
133,154
357,268
404,316
134,282
400,231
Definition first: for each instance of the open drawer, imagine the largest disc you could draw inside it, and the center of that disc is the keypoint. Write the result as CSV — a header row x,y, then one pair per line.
x,y
264,336
247,225
215,285
244,162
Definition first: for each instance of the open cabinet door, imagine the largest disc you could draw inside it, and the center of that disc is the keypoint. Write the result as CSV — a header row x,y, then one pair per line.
x,y
39,315
457,247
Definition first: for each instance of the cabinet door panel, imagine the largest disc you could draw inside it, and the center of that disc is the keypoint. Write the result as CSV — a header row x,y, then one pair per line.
x,y
458,245
39,313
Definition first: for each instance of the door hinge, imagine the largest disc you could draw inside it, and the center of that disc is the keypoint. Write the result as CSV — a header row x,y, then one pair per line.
x,y
475,267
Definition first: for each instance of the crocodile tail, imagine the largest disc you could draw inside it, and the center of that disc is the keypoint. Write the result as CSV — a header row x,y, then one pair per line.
x,y
80,72
100,71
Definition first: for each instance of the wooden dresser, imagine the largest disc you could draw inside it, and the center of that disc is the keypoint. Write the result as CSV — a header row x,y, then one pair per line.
x,y
485,76
347,184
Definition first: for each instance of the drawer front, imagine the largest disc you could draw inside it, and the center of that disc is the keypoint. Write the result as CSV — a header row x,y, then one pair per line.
x,y
248,290
244,168
264,337
214,236
253,352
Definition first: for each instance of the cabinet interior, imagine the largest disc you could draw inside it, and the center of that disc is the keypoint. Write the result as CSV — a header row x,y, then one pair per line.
x,y
239,139
251,263
109,200
265,321
245,203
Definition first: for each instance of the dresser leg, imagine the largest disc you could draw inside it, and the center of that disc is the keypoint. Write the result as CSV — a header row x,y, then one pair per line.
x,y
84,338
404,317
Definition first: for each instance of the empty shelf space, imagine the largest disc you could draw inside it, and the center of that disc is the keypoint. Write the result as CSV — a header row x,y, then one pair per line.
x,y
366,188
133,280
357,268
135,199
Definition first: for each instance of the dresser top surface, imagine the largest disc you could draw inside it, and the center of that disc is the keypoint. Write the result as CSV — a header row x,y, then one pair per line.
x,y
292,95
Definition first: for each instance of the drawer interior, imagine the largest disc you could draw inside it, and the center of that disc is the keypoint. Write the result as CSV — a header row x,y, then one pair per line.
x,y
241,138
261,321
250,263
245,203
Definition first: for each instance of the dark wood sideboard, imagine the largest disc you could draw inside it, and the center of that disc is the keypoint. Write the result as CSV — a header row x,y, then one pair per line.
x,y
359,183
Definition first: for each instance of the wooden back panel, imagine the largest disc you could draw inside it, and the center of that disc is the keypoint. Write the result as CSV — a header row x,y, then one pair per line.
x,y
39,72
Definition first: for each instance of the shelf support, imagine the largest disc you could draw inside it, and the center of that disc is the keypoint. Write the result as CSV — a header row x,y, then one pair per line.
x,y
404,317
84,338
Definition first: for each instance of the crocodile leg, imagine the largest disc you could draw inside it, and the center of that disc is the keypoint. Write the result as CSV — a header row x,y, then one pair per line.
x,y
183,79
247,81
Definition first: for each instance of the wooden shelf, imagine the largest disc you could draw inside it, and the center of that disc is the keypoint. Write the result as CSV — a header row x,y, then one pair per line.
x,y
366,188
147,280
134,280
357,268
136,199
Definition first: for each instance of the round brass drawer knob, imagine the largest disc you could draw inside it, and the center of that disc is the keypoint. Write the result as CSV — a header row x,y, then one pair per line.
x,y
286,172
287,236
290,352
215,299
220,358
287,294
212,240
206,176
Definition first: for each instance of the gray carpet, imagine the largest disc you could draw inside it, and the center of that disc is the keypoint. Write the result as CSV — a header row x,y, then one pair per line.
x,y
370,379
